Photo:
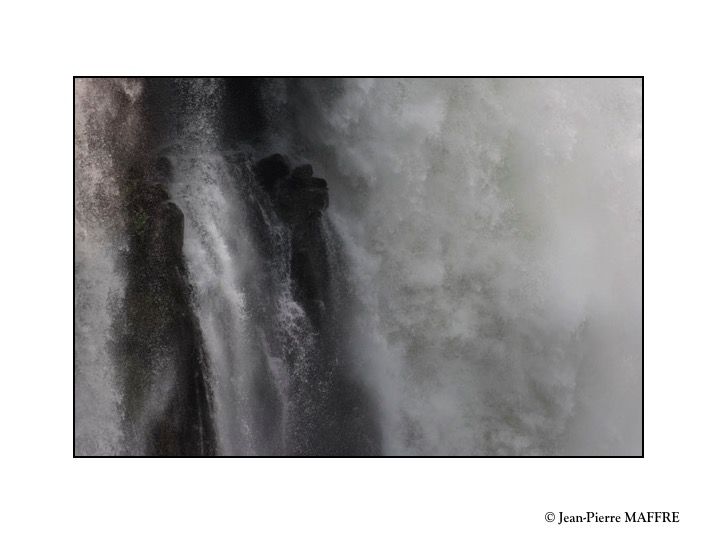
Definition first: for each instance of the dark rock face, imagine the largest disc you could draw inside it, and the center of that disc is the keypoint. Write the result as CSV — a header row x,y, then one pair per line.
x,y
271,169
168,403
299,200
331,413
303,172
167,399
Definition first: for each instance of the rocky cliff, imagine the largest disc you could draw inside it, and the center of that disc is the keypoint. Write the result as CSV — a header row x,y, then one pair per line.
x,y
164,367
332,414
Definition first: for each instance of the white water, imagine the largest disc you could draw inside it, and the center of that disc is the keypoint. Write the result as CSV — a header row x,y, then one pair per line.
x,y
495,234
107,124
217,251
218,254
213,191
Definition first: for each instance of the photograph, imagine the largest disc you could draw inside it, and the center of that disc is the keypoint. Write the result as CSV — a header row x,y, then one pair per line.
x,y
358,266
384,270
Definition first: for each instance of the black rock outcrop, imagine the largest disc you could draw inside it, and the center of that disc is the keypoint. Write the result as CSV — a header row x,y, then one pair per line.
x,y
299,200
167,398
331,412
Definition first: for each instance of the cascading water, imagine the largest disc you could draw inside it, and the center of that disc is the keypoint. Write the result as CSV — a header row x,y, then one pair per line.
x,y
495,229
106,124
218,254
473,287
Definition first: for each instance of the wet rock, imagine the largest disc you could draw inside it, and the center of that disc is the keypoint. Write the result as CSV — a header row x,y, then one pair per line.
x,y
164,367
271,169
316,183
298,201
303,172
332,414
161,171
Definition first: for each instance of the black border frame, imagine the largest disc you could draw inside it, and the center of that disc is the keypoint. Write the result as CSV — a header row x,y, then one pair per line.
x,y
642,254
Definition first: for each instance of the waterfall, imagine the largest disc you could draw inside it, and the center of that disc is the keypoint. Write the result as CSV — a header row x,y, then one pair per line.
x,y
456,273
263,346
494,228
